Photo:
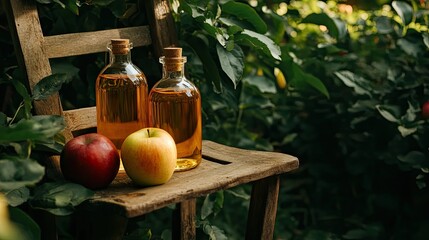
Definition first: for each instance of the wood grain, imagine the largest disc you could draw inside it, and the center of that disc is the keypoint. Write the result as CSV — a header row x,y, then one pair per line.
x,y
74,44
184,220
263,207
125,198
162,27
82,118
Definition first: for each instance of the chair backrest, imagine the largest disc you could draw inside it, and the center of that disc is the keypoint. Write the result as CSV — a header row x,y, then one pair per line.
x,y
34,50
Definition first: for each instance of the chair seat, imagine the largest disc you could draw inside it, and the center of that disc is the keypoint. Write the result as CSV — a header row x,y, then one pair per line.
x,y
222,167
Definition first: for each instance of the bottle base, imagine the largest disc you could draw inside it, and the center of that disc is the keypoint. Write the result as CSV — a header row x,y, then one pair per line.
x,y
184,164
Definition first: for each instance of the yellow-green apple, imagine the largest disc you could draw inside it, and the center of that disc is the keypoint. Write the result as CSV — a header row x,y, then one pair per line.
x,y
91,160
149,156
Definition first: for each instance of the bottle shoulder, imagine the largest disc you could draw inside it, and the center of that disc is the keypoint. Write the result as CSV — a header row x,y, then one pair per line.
x,y
126,72
176,84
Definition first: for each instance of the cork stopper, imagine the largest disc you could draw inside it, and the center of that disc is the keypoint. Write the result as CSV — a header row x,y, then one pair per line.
x,y
120,46
173,59
173,52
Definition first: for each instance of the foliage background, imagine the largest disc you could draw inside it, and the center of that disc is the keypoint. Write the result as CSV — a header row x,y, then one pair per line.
x,y
347,102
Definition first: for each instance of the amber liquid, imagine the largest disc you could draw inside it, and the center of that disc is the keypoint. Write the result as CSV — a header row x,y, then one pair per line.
x,y
179,113
121,106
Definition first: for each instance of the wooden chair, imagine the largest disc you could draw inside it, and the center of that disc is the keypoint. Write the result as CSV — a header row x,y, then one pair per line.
x,y
105,216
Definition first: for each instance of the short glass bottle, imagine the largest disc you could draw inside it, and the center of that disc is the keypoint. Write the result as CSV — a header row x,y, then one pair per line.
x,y
121,95
175,106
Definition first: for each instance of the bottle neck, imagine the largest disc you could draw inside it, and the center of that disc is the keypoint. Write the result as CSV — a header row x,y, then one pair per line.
x,y
176,71
173,67
120,58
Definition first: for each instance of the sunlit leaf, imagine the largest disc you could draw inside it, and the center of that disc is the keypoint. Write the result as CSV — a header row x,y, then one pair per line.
x,y
387,113
247,13
404,10
426,39
358,83
406,131
261,42
336,27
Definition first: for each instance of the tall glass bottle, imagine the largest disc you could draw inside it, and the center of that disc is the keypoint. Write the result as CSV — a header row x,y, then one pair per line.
x,y
121,95
175,106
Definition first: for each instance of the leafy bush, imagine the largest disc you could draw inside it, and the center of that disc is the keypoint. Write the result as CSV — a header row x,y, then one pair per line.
x,y
340,84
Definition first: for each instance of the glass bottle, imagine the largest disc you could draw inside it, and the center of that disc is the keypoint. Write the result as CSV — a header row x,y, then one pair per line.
x,y
121,95
175,106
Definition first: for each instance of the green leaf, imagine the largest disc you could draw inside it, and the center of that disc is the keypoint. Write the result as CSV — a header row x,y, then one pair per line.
x,y
415,158
118,8
404,10
211,72
264,84
297,77
37,128
406,131
16,173
3,119
60,3
102,3
49,85
18,196
412,49
388,113
354,81
260,42
384,25
336,27
59,198
232,62
21,89
214,232
207,207
72,6
251,97
246,12
28,226
426,39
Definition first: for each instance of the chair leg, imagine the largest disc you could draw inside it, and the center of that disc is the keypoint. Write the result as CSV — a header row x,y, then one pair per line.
x,y
263,209
100,225
184,220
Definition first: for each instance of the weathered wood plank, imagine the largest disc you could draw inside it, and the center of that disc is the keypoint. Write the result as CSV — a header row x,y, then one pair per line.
x,y
162,25
263,208
243,166
82,118
25,23
73,44
184,227
95,226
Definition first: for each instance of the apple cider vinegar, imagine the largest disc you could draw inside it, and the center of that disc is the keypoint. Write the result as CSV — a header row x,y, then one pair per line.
x,y
122,106
121,95
175,106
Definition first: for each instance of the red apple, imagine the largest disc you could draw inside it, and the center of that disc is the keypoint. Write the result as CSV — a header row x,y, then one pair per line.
x,y
149,156
425,110
91,160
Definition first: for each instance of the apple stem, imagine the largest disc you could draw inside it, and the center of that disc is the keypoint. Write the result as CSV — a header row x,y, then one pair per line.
x,y
148,133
